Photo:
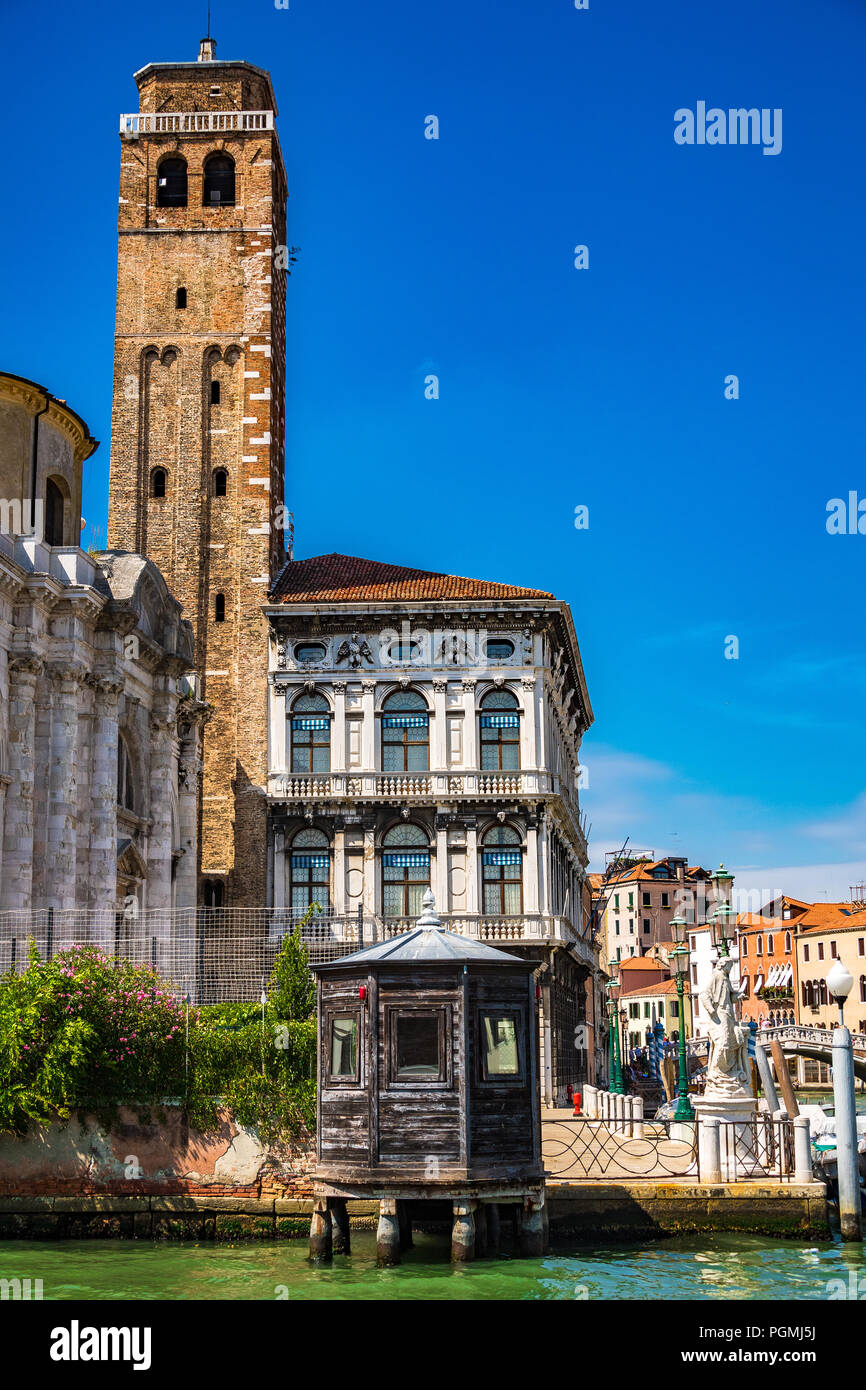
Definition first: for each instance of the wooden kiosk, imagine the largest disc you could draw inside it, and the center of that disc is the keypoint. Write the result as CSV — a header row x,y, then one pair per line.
x,y
428,1089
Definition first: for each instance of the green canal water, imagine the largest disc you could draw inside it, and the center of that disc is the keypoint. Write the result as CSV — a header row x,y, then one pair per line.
x,y
701,1267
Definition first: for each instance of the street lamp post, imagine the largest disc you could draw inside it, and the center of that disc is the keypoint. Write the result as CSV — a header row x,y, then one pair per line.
x,y
610,1027
839,982
681,955
722,924
614,988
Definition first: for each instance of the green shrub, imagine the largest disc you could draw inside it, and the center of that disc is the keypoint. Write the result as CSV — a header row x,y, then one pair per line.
x,y
88,1032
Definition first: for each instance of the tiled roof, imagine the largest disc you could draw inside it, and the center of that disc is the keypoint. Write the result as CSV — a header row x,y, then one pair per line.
x,y
815,917
348,579
643,872
832,917
641,963
664,987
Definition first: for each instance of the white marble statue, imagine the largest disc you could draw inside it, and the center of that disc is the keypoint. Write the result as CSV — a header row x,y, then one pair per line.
x,y
728,1064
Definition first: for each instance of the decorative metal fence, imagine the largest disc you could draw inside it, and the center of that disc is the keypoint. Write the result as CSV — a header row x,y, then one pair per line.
x,y
619,1149
762,1147
597,1149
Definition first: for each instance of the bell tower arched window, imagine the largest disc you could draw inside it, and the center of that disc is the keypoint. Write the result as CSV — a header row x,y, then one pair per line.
x,y
220,482
310,870
500,732
405,870
311,734
157,482
502,871
405,733
171,184
218,189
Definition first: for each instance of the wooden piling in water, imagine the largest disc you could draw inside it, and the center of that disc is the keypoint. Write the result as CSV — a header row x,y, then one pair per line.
x,y
321,1233
388,1233
341,1239
463,1232
532,1229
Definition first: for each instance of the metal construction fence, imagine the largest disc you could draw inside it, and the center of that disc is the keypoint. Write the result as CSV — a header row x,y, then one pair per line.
x,y
212,955
616,1150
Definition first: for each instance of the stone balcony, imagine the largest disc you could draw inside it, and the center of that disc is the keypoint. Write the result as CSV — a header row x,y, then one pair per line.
x,y
421,786
136,123
525,929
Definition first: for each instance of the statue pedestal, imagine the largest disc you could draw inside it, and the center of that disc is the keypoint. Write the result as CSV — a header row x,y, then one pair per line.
x,y
739,1149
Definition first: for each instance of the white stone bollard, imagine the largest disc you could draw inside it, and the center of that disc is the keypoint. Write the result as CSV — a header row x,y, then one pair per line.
x,y
802,1150
605,1106
629,1116
709,1149
618,1109
590,1102
637,1117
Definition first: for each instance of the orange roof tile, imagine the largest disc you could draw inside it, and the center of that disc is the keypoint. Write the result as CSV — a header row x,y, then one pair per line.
x,y
663,987
643,872
347,579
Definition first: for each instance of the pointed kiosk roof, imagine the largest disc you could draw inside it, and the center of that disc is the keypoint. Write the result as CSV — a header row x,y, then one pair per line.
x,y
428,942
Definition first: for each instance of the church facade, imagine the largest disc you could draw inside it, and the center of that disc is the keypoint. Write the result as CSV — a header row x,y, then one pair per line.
x,y
99,732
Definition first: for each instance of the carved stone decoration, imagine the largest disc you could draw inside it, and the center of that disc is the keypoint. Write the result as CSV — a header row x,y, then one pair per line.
x,y
355,650
282,653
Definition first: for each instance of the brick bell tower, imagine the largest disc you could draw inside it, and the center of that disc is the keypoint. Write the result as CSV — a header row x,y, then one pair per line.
x,y
197,464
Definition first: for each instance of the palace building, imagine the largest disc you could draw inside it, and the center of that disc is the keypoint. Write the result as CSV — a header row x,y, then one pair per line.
x,y
425,732
197,467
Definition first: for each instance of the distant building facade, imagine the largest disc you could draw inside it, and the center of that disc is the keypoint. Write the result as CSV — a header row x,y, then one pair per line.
x,y
828,932
767,944
639,895
657,1003
425,730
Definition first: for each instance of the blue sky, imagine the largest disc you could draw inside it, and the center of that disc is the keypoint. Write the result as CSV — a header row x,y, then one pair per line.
x,y
558,387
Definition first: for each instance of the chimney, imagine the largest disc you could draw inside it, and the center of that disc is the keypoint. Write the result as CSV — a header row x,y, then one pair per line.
x,y
207,51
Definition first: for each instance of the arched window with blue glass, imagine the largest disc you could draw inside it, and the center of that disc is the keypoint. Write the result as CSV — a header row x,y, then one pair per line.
x,y
502,871
311,734
405,870
310,870
500,732
405,732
